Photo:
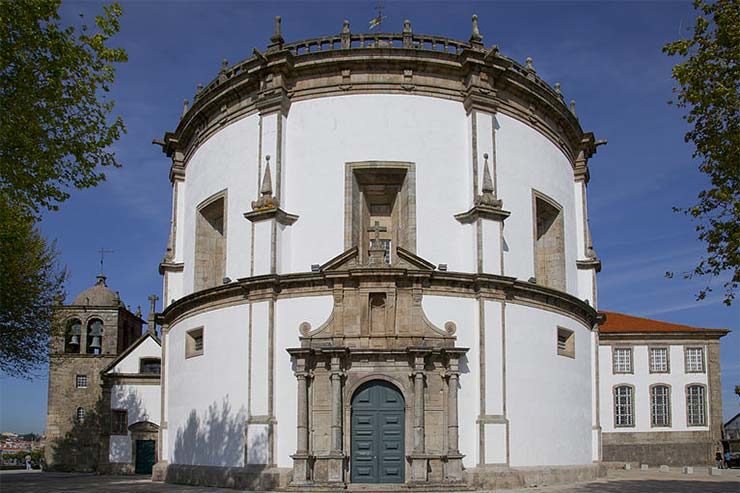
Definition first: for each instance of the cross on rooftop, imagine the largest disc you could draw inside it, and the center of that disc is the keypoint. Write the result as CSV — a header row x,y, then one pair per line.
x,y
377,228
153,303
102,253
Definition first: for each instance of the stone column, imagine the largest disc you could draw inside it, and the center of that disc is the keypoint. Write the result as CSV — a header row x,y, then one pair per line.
x,y
418,456
336,455
301,458
453,469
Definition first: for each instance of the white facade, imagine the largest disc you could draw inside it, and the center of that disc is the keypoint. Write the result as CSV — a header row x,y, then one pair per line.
x,y
642,379
138,395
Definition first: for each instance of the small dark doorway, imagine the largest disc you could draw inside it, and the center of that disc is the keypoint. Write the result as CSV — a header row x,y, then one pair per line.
x,y
377,434
144,456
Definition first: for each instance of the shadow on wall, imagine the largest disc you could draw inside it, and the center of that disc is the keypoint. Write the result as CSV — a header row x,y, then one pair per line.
x,y
85,447
120,450
217,439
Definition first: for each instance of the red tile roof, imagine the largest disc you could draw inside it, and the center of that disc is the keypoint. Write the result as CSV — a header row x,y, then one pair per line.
x,y
619,323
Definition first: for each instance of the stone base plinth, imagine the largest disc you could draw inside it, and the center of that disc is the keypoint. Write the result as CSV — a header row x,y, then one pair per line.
x,y
251,478
495,477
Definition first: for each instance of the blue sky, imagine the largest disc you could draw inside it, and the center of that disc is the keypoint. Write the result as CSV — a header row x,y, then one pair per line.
x,y
606,55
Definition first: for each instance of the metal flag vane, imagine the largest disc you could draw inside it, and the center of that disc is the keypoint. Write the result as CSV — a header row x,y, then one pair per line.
x,y
102,253
378,19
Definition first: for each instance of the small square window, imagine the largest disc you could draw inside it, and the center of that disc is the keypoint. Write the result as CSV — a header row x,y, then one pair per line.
x,y
194,342
566,343
81,381
622,360
658,360
694,360
119,422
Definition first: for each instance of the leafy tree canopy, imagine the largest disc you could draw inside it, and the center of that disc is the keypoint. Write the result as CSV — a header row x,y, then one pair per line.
x,y
709,88
56,124
30,280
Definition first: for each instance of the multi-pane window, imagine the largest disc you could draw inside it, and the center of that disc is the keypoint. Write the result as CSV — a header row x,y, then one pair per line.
x,y
622,360
119,422
659,360
624,414
660,405
152,365
80,415
81,381
696,405
694,360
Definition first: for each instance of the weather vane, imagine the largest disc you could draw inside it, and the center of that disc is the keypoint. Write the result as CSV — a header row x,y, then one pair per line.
x,y
102,253
378,19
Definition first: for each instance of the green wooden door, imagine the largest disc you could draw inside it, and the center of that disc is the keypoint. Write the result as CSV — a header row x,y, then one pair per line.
x,y
377,434
144,456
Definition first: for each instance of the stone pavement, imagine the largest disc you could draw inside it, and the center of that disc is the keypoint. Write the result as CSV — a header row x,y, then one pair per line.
x,y
616,482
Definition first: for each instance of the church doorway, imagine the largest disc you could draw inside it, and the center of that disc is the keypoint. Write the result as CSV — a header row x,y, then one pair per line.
x,y
377,434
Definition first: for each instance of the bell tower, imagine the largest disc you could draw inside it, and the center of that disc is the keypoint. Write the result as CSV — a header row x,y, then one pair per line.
x,y
88,334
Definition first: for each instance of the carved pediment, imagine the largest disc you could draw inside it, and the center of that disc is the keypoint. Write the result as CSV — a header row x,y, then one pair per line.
x,y
350,259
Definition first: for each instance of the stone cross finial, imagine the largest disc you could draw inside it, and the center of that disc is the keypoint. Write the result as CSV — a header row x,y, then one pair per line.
x,y
475,37
276,40
377,229
153,303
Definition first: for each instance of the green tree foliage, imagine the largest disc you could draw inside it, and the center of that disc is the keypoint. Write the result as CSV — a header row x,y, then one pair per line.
x,y
56,131
56,124
30,280
709,88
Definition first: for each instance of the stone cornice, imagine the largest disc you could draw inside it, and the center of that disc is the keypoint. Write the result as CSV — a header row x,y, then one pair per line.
x,y
379,63
663,337
166,266
275,213
591,263
271,287
482,212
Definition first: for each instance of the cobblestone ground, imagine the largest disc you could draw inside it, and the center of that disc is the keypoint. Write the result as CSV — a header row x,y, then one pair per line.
x,y
616,482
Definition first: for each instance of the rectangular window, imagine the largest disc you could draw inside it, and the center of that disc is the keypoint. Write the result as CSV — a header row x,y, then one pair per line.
x,y
566,343
623,406
696,405
194,342
694,360
150,366
119,422
658,360
549,243
622,360
660,405
210,242
81,381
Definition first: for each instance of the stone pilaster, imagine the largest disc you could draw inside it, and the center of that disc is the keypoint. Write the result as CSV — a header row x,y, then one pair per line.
x,y
336,455
418,455
453,469
301,458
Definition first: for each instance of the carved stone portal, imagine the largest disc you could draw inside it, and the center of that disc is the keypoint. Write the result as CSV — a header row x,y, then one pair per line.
x,y
377,331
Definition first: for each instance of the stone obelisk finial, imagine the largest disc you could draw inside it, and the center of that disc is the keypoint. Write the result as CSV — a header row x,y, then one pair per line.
x,y
476,39
266,201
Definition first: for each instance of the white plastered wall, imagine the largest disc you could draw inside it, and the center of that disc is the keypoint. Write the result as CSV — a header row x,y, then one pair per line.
x,y
142,402
548,396
226,161
464,312
642,379
207,395
290,313
130,364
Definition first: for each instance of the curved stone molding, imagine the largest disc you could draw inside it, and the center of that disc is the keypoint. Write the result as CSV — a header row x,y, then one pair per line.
x,y
272,287
482,79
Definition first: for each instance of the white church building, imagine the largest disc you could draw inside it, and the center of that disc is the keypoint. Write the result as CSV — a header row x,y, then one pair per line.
x,y
380,271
